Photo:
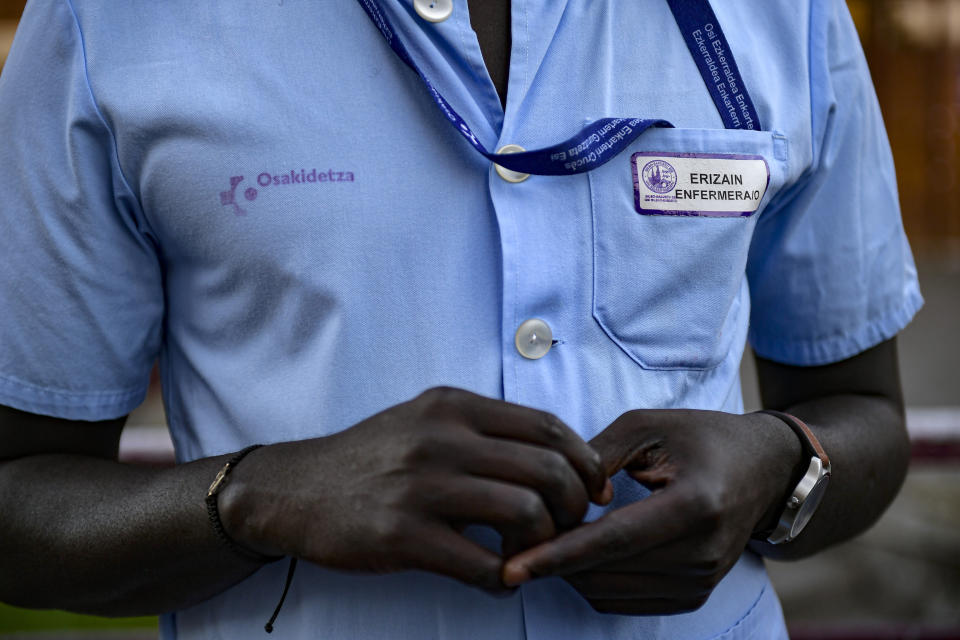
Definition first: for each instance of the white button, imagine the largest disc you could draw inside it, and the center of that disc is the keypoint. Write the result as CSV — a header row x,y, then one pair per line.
x,y
433,10
534,338
507,174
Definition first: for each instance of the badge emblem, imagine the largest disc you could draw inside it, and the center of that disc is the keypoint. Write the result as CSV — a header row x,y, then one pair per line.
x,y
659,176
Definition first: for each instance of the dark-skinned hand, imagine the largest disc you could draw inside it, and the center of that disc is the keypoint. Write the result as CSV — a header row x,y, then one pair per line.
x,y
395,491
715,479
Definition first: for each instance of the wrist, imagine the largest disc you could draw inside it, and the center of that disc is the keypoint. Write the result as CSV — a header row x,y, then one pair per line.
x,y
786,467
244,510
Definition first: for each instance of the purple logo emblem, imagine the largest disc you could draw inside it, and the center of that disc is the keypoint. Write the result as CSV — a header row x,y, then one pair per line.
x,y
229,198
659,176
292,177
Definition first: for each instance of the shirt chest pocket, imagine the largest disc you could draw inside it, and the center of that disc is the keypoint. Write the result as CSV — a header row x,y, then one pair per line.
x,y
672,222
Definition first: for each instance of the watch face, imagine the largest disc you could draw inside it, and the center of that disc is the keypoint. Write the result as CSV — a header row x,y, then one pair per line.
x,y
809,506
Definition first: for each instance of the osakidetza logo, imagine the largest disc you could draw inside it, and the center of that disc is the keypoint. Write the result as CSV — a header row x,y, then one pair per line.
x,y
268,180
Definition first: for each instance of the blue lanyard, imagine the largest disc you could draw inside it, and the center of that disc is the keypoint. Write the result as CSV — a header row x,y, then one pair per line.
x,y
602,139
714,59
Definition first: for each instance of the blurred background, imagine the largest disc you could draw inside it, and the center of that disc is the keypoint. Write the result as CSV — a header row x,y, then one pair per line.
x,y
902,578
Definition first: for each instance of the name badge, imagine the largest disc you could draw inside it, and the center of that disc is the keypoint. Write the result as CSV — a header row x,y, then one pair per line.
x,y
698,184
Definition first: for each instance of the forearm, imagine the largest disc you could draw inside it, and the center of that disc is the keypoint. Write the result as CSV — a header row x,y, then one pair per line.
x,y
867,441
96,536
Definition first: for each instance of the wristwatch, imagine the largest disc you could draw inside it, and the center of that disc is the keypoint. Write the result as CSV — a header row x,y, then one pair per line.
x,y
806,496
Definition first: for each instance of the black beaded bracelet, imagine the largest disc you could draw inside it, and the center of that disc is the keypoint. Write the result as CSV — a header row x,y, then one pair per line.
x,y
214,513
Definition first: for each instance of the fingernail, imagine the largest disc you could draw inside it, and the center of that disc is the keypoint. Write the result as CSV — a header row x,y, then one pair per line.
x,y
515,574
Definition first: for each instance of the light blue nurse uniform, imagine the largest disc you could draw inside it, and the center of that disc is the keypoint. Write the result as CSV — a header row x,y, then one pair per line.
x,y
265,197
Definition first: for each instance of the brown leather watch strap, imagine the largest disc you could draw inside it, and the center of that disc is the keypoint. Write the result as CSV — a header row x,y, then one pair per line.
x,y
805,434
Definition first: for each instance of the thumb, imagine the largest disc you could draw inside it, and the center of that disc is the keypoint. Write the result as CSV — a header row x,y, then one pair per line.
x,y
626,439
609,445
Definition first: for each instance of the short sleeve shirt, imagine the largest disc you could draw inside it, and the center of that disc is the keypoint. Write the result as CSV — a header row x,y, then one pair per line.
x,y
264,197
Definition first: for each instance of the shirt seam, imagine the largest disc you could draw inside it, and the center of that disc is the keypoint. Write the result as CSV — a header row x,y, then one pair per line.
x,y
841,344
810,83
479,68
96,107
726,633
103,397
